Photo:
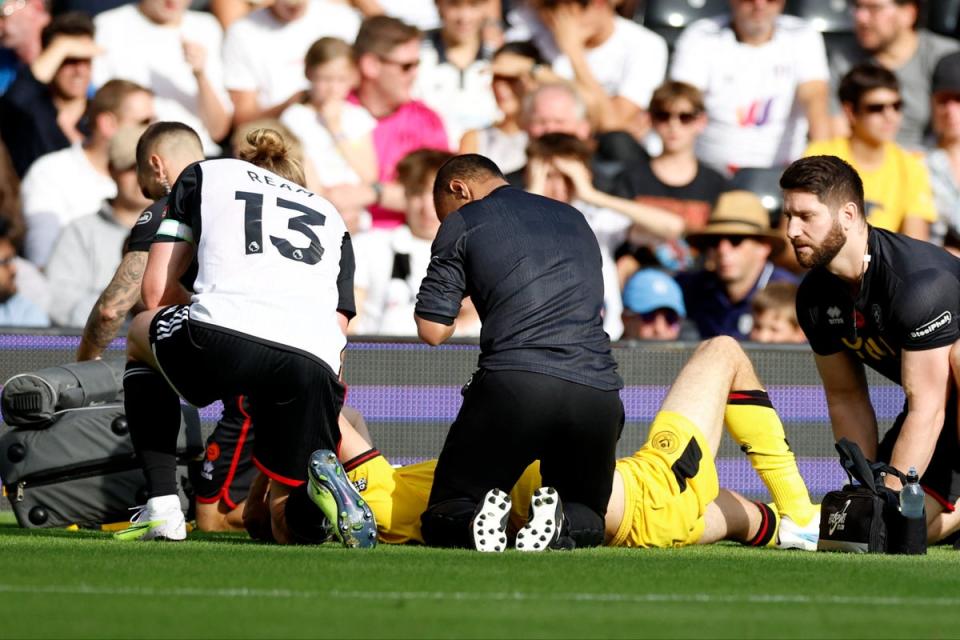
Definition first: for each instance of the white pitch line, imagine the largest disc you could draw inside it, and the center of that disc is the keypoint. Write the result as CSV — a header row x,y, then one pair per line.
x,y
493,596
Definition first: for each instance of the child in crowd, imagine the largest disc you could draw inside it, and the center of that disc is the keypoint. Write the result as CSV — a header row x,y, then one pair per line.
x,y
505,142
775,314
337,135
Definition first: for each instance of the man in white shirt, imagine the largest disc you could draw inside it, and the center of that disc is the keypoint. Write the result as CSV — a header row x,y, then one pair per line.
x,y
73,182
176,52
455,78
263,53
90,248
765,78
615,63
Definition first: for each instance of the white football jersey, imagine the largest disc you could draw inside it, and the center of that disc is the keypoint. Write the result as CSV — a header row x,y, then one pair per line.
x,y
275,261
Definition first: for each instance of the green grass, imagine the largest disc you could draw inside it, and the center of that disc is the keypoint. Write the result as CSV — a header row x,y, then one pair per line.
x,y
83,584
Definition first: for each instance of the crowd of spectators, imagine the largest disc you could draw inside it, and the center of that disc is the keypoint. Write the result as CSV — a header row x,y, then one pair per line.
x,y
573,99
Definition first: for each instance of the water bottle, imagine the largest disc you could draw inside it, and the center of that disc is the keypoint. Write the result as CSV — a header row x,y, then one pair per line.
x,y
911,496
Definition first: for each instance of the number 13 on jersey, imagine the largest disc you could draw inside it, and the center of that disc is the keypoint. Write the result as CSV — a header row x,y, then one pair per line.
x,y
253,228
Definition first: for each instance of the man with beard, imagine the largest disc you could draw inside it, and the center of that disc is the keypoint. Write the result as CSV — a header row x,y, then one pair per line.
x,y
884,300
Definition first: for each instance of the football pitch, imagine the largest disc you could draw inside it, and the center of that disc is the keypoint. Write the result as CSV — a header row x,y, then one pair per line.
x,y
63,584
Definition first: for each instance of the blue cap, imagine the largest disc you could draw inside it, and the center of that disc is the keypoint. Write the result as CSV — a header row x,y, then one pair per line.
x,y
652,289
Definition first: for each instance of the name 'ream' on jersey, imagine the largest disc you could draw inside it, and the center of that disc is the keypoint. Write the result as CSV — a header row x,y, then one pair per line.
x,y
275,259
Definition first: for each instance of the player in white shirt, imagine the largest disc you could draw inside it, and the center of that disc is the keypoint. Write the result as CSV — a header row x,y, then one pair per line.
x,y
176,54
263,53
764,77
272,297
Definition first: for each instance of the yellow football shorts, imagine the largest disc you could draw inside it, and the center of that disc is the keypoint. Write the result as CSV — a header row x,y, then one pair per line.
x,y
668,484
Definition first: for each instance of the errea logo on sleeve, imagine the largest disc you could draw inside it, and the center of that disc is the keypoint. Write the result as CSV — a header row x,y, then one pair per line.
x,y
943,320
834,315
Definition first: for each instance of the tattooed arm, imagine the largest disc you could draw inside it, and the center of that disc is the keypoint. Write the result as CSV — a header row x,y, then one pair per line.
x,y
112,307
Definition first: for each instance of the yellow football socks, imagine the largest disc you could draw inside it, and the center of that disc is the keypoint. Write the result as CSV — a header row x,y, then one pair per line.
x,y
756,427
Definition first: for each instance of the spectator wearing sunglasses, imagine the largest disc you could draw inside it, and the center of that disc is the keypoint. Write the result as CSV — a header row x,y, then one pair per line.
x,y
652,307
943,163
896,184
387,56
887,33
675,181
736,245
64,185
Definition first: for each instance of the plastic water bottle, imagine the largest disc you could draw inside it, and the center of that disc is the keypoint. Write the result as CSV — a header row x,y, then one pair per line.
x,y
911,496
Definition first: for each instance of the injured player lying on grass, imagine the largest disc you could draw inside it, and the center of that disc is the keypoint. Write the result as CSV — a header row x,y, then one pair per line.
x,y
666,494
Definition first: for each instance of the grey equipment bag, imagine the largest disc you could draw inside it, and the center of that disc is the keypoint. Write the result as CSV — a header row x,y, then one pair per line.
x,y
82,469
35,399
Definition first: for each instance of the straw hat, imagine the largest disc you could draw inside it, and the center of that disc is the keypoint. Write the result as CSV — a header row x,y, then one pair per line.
x,y
738,213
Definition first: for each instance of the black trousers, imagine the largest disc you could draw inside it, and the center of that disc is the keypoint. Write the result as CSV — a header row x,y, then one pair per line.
x,y
508,420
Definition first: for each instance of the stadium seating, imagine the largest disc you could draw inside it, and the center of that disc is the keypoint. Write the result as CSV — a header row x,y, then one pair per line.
x,y
826,16
832,18
765,184
669,17
943,16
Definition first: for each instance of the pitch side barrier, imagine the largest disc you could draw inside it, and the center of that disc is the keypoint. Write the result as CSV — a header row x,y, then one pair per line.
x,y
409,394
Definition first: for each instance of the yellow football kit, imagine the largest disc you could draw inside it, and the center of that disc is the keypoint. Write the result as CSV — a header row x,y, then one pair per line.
x,y
398,495
668,484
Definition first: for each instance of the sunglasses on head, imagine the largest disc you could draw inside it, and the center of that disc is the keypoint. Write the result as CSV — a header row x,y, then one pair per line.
x,y
685,117
880,107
